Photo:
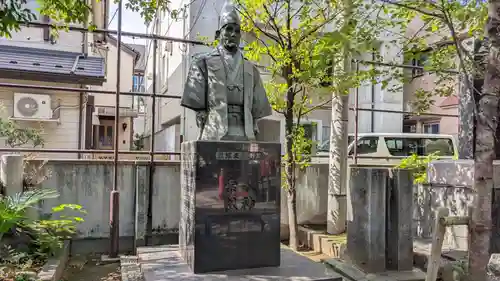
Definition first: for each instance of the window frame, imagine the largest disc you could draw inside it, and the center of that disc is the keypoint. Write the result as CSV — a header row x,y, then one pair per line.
x,y
420,148
319,130
377,140
429,125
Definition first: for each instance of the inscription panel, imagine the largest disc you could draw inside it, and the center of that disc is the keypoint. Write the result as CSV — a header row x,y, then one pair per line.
x,y
236,205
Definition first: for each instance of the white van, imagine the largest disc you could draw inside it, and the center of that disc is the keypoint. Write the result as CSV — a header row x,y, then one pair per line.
x,y
390,148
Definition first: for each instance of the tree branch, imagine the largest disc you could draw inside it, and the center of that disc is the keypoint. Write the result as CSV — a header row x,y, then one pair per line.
x,y
319,105
272,20
298,11
316,28
424,12
256,25
267,48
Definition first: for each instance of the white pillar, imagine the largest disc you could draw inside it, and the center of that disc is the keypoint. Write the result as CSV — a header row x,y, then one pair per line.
x,y
11,173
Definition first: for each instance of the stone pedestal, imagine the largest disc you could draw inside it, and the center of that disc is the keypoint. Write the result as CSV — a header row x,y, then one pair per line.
x,y
230,205
379,236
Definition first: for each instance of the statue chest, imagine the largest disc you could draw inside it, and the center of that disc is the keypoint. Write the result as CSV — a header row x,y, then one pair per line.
x,y
229,87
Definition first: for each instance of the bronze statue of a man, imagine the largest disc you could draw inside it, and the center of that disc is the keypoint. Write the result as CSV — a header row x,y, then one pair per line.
x,y
224,88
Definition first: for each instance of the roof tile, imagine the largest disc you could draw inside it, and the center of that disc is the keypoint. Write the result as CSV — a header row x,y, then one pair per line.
x,y
50,61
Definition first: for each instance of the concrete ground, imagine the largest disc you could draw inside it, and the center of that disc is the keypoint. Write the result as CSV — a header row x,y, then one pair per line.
x,y
89,268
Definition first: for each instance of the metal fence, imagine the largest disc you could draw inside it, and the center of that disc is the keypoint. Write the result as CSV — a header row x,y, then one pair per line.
x,y
154,95
114,217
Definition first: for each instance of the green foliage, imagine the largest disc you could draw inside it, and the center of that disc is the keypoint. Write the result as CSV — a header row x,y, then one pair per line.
x,y
302,47
440,38
44,237
138,143
13,208
65,12
11,12
51,232
17,136
148,9
419,166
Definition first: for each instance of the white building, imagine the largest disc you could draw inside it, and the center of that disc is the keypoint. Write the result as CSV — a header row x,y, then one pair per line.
x,y
174,123
68,119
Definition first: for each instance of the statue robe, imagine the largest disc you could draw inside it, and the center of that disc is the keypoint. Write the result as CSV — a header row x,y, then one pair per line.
x,y
206,90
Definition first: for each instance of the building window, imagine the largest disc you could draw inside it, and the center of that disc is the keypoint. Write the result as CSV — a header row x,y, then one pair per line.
x,y
419,59
163,71
138,83
409,128
326,134
104,135
432,128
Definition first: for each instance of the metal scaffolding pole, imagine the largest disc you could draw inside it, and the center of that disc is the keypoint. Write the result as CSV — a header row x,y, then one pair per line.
x,y
149,224
116,32
79,90
93,151
115,195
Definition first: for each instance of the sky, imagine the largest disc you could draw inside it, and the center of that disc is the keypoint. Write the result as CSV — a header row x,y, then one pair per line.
x,y
131,22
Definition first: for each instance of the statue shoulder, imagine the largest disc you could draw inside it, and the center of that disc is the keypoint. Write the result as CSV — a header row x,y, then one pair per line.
x,y
195,58
198,57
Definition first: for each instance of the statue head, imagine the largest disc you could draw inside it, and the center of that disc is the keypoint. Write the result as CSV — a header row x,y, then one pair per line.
x,y
229,33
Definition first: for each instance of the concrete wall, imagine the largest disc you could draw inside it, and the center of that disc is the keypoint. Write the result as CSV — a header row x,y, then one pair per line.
x,y
89,184
449,186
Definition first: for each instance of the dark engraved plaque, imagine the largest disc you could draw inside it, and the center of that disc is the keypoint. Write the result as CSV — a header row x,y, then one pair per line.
x,y
230,214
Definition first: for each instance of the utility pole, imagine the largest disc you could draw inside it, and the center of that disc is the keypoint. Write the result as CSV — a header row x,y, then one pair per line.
x,y
337,205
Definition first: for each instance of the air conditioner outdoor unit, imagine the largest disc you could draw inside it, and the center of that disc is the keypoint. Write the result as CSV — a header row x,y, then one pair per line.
x,y
32,106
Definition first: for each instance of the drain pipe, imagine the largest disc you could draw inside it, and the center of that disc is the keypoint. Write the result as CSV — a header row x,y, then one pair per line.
x,y
82,93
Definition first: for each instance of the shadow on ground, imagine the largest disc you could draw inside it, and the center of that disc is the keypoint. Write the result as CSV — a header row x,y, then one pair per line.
x,y
90,268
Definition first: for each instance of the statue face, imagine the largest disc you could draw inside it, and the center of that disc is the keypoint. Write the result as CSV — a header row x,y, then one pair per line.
x,y
230,36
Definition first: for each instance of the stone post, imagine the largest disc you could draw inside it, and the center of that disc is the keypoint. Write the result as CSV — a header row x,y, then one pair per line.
x,y
379,230
366,244
141,174
399,221
11,174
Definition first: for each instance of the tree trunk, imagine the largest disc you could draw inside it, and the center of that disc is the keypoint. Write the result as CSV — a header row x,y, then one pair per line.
x,y
290,165
336,216
292,220
480,228
337,204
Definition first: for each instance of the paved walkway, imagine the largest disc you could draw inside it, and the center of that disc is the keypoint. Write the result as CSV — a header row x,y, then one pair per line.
x,y
163,263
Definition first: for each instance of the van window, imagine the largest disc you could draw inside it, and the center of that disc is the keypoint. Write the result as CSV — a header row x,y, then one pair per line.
x,y
325,145
420,146
365,145
442,147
